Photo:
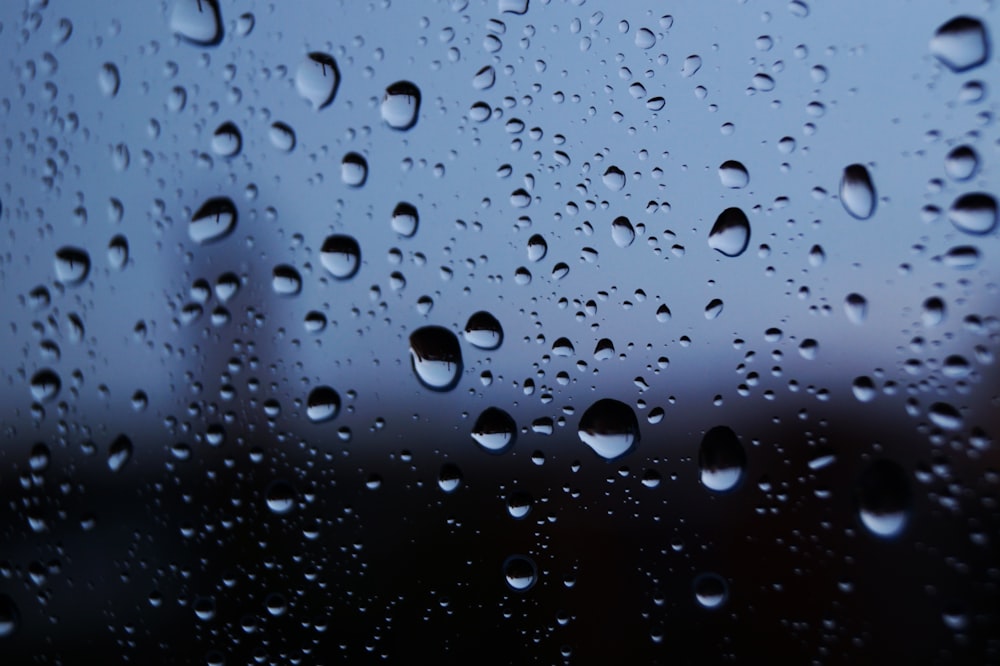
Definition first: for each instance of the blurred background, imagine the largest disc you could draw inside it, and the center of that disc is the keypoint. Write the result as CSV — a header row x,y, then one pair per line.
x,y
499,331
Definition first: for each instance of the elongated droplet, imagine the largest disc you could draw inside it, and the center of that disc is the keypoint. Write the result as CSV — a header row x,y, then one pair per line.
x,y
436,357
961,43
610,428
974,213
215,220
733,175
405,219
884,499
341,256
353,170
401,105
622,231
730,234
317,79
227,140
197,22
72,265
520,573
857,193
721,459
323,404
119,453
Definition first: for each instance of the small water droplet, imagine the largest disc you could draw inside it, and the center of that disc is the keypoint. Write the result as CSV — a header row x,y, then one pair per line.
x,y
520,573
227,140
317,79
945,416
721,459
449,477
961,43
863,389
610,428
690,66
884,499
280,497
436,357
494,430
733,175
215,220
109,79
710,590
72,265
974,213
197,21
119,453
730,234
961,163
857,193
519,504
341,256
614,178
401,105
933,311
282,137
285,280
405,219
45,385
118,252
483,331
353,170
856,308
714,308
323,404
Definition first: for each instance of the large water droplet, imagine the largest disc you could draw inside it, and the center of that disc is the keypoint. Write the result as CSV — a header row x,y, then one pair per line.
x,y
282,137
690,66
520,573
280,497
733,175
494,430
317,79
710,590
227,140
961,163
72,265
353,170
945,416
436,357
45,385
119,453
323,404
341,256
405,219
961,43
622,232
730,234
721,459
537,247
401,105
484,78
215,220
614,178
197,21
857,193
884,498
974,213
512,6
285,280
483,331
519,504
610,428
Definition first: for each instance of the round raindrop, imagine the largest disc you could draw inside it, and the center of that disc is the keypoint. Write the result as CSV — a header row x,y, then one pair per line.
x,y
323,404
401,105
45,385
730,234
341,256
733,175
519,504
520,573
449,477
710,590
857,193
961,43
285,280
609,427
227,140
494,430
197,22
721,459
856,308
282,137
884,498
974,213
614,179
280,497
405,219
215,220
483,331
353,170
714,308
945,416
72,265
436,357
484,78
317,79
622,231
961,163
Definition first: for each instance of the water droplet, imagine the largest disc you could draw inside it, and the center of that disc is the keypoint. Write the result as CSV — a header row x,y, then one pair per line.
x,y
323,404
45,385
285,280
483,331
884,498
354,170
762,83
227,286
10,616
119,453
484,78
109,80
40,457
714,308
118,252
401,105
733,175
317,79
215,220
933,311
405,219
690,66
513,6
519,504
341,256
945,416
610,428
961,43
280,497
721,459
282,137
227,140
730,234
961,163
644,38
856,308
863,389
622,231
72,265
494,430
537,248
710,590
857,193
436,357
449,478
663,314
197,21
962,257
520,573
614,178
974,213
